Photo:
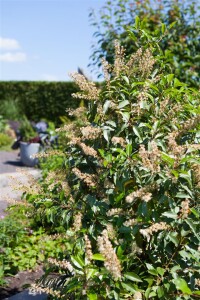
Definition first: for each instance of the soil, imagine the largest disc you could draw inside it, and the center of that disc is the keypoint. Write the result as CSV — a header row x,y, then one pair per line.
x,y
19,282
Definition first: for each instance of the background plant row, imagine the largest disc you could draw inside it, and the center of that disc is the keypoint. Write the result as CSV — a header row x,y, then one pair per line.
x,y
38,100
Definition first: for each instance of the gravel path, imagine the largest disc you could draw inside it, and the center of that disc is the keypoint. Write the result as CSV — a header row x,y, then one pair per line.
x,y
10,167
9,161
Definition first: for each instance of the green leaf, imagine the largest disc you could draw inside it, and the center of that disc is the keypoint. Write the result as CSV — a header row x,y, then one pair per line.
x,y
147,292
155,127
149,266
112,123
79,263
182,195
98,256
160,292
137,22
170,77
123,104
172,24
120,251
92,296
106,134
152,294
106,106
126,116
143,208
163,28
153,272
174,271
167,159
170,214
173,238
119,150
184,254
181,285
73,284
126,79
151,269
128,287
161,271
124,229
193,227
132,276
129,149
177,83
137,133
132,35
91,272
195,212
196,292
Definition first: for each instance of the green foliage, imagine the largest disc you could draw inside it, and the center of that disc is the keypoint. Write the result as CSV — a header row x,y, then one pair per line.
x,y
179,22
3,124
23,245
37,100
10,108
126,191
5,140
26,129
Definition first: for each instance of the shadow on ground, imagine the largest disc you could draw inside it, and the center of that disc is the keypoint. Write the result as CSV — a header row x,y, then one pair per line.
x,y
14,163
5,293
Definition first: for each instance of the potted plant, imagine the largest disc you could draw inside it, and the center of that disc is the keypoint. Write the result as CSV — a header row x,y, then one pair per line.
x,y
29,143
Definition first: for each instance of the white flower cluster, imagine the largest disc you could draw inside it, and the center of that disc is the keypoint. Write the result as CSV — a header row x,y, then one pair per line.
x,y
64,264
147,232
112,262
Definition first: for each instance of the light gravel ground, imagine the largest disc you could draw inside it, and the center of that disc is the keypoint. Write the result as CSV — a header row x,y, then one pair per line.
x,y
10,167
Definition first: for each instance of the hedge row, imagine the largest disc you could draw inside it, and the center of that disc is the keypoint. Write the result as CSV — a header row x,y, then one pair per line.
x,y
38,100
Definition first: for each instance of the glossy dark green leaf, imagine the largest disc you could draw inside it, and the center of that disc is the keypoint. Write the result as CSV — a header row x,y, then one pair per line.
x,y
173,238
132,276
128,287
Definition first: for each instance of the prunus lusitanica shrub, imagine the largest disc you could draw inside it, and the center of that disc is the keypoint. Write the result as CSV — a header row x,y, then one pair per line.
x,y
127,192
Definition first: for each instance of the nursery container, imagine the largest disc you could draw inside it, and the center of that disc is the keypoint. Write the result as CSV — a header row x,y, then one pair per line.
x,y
27,151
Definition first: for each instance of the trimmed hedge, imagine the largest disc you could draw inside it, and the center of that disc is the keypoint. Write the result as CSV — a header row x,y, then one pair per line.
x,y
40,99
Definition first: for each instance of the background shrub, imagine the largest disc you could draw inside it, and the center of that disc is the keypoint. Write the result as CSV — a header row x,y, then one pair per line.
x,y
5,140
181,42
6,134
37,100
10,109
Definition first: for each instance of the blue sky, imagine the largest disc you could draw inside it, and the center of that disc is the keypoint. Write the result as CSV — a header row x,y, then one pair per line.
x,y
45,39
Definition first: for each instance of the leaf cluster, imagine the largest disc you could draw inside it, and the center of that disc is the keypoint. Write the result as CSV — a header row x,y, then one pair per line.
x,y
24,245
177,20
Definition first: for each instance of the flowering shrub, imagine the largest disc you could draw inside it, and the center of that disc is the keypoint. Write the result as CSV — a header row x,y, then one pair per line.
x,y
128,198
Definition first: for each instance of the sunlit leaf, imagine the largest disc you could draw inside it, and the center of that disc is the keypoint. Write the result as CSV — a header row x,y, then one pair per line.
x,y
181,284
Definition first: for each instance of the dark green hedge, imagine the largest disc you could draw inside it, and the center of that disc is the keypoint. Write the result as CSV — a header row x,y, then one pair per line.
x,y
38,100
